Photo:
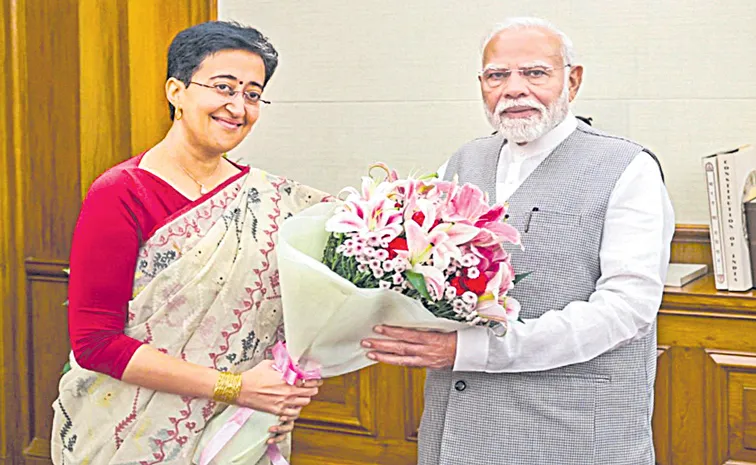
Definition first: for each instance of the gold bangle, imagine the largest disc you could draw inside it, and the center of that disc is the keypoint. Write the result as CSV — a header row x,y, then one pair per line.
x,y
228,387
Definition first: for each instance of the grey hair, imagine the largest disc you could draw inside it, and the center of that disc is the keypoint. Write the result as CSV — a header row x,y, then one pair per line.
x,y
568,52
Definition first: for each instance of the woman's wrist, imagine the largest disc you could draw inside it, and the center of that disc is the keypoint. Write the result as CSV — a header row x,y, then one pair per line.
x,y
227,387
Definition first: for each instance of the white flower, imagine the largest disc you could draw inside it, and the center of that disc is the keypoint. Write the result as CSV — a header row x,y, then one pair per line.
x,y
378,272
400,265
397,278
388,266
381,254
473,273
384,285
358,247
469,298
469,259
362,267
358,240
374,240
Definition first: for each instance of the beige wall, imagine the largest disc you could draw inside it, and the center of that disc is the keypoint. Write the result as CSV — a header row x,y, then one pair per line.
x,y
394,80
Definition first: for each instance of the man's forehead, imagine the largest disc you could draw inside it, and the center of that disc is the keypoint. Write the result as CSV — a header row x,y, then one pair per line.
x,y
530,44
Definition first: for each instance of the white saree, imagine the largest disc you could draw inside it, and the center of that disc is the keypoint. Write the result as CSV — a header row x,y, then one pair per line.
x,y
206,290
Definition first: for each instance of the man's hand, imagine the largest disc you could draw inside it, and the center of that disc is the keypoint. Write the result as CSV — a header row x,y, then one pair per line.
x,y
412,348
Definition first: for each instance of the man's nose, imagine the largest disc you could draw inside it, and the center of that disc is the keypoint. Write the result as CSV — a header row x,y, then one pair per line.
x,y
516,87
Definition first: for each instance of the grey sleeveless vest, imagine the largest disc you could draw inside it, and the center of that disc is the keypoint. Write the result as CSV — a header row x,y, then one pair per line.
x,y
597,412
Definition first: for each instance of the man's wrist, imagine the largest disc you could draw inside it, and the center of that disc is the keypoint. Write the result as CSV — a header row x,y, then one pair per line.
x,y
472,349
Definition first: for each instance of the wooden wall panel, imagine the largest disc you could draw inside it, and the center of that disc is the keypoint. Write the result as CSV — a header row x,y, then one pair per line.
x,y
46,295
413,402
662,407
51,184
51,164
105,109
7,231
12,137
152,26
733,391
346,404
65,117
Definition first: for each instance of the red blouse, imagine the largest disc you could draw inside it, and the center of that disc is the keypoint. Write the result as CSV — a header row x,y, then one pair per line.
x,y
120,211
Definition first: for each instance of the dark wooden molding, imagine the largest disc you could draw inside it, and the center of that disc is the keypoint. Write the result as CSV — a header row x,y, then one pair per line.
x,y
691,234
50,268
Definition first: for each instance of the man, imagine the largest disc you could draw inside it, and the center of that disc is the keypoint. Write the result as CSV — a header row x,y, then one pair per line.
x,y
573,384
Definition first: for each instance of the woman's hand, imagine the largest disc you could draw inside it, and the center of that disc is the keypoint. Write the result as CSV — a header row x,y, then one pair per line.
x,y
264,390
278,433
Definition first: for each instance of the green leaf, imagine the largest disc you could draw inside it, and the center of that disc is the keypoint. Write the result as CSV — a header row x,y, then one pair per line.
x,y
418,282
520,277
66,368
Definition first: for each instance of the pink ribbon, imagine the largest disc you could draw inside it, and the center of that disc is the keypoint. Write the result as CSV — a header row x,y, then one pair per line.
x,y
291,373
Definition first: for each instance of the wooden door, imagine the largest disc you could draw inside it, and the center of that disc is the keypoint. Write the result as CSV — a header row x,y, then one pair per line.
x,y
82,90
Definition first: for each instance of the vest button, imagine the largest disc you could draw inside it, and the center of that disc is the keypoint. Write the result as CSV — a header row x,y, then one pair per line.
x,y
460,385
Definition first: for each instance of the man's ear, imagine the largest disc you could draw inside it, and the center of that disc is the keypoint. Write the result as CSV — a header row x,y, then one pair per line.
x,y
576,78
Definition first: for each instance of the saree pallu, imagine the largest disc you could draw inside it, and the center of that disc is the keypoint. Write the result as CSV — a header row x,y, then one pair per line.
x,y
206,291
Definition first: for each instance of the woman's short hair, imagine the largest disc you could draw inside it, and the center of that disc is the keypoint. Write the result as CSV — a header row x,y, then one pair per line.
x,y
192,45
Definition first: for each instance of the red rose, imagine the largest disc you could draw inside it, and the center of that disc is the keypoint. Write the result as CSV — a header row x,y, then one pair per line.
x,y
398,243
455,282
477,285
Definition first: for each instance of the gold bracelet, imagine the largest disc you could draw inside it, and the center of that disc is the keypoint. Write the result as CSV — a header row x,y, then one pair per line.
x,y
228,387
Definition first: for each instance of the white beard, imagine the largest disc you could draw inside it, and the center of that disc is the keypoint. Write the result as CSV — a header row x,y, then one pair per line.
x,y
522,130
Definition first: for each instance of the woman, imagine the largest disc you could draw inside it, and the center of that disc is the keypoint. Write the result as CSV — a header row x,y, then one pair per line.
x,y
173,294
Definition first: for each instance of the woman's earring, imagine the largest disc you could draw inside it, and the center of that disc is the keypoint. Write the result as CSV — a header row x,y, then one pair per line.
x,y
179,114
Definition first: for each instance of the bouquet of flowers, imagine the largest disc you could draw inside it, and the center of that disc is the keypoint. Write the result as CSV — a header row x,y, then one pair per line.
x,y
416,252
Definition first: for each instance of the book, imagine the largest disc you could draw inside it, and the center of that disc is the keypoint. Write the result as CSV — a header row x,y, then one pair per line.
x,y
711,171
680,274
750,215
736,183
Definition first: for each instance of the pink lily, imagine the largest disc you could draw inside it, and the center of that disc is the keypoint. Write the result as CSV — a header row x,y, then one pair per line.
x,y
490,257
512,307
493,229
468,204
488,303
455,234
376,215
421,245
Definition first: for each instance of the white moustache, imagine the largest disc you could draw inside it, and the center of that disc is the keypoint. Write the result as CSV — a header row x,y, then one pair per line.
x,y
506,104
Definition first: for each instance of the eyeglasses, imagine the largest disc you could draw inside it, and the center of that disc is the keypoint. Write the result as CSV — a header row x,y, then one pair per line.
x,y
251,97
535,75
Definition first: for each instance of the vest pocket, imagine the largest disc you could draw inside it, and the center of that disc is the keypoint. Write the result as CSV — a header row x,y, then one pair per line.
x,y
538,220
542,418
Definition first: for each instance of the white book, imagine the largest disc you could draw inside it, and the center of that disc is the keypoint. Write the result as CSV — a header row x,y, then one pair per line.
x,y
680,274
715,221
735,168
